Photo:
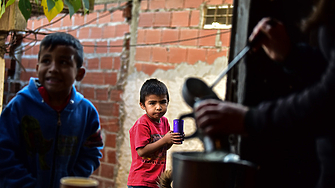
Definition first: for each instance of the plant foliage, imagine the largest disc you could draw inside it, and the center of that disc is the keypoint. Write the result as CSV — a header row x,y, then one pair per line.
x,y
51,8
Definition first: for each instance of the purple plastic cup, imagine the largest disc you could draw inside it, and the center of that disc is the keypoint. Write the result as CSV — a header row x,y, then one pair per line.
x,y
178,127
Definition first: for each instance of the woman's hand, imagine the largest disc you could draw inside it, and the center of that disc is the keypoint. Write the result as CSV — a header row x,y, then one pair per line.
x,y
219,117
273,38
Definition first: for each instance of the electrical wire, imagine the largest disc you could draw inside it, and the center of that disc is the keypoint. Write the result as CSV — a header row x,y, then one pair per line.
x,y
152,44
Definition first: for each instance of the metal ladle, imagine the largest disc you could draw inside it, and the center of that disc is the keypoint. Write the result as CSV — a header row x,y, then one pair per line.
x,y
195,90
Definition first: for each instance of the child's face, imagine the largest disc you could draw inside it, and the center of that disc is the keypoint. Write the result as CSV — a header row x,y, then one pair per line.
x,y
155,106
57,69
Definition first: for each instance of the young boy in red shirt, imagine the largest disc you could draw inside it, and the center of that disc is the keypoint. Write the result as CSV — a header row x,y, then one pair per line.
x,y
150,136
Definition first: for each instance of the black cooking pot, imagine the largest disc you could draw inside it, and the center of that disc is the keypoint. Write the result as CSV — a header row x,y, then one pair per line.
x,y
217,166
204,170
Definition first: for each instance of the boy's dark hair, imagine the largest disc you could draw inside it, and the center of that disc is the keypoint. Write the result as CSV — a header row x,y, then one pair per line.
x,y
55,39
153,87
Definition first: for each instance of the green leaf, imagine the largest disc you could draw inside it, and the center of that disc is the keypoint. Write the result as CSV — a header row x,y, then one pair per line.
x,y
50,4
9,2
25,8
86,6
74,6
3,8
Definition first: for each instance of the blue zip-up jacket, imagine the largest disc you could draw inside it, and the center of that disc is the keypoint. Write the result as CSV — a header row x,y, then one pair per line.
x,y
39,145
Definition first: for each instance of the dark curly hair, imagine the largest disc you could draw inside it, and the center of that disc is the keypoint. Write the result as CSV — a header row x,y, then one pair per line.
x,y
153,87
55,39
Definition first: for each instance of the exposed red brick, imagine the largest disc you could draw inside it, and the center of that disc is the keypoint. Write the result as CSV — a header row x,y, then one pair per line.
x,y
84,33
205,39
93,78
212,55
73,33
30,23
195,18
107,109
193,3
121,30
228,2
41,37
89,48
38,23
159,54
88,92
215,2
110,78
106,62
196,54
58,23
78,19
169,4
110,124
156,4
107,170
141,36
177,55
8,62
93,63
92,16
151,68
180,19
146,68
170,35
67,21
144,5
112,5
25,76
117,16
146,19
96,33
29,63
96,172
116,95
225,38
100,7
102,47
116,63
46,21
101,94
143,54
162,19
153,36
104,17
107,183
36,49
116,46
110,156
108,32
189,34
28,50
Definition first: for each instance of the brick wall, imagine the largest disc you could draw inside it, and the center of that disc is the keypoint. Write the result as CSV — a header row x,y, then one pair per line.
x,y
103,38
163,21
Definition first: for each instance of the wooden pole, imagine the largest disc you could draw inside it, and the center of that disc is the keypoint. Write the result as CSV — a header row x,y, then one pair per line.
x,y
3,36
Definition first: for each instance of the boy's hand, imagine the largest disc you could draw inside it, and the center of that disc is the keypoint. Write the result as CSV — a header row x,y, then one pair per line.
x,y
173,138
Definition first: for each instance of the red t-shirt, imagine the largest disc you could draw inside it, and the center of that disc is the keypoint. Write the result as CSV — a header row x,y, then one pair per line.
x,y
145,171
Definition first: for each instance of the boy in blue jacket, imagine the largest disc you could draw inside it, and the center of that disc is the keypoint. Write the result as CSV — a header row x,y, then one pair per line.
x,y
49,130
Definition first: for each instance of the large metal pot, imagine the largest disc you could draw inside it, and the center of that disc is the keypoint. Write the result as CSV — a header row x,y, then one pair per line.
x,y
210,170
